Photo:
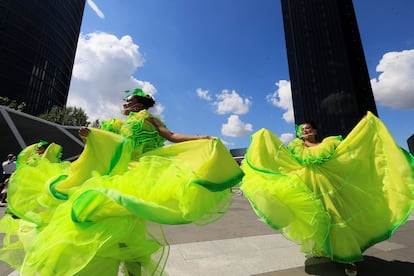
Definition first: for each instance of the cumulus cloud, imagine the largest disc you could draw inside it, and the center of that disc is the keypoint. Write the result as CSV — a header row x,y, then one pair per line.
x,y
95,8
394,87
235,127
231,102
282,98
227,143
203,94
286,138
103,69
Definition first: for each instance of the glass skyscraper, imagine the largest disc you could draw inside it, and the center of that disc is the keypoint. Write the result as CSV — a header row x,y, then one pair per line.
x,y
328,72
38,41
410,142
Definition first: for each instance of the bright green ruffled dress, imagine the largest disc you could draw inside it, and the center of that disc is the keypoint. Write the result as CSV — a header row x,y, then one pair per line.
x,y
115,198
27,198
335,199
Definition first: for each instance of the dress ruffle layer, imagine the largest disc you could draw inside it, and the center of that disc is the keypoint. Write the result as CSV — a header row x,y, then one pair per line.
x,y
336,199
104,209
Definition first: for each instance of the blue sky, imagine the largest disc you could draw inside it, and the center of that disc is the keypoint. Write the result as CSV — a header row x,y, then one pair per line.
x,y
219,67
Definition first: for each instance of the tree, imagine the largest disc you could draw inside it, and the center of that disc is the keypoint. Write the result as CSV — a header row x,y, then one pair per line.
x,y
96,124
70,116
12,103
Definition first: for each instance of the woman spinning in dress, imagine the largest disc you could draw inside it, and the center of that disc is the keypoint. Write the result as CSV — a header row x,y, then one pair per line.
x,y
107,208
335,198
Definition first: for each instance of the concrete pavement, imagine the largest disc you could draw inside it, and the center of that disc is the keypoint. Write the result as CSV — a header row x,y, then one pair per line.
x,y
240,244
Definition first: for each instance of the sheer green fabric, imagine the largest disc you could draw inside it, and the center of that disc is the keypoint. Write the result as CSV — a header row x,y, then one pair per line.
x,y
106,209
26,199
28,156
336,199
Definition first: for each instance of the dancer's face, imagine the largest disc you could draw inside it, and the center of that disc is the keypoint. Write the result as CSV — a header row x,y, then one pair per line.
x,y
131,104
308,130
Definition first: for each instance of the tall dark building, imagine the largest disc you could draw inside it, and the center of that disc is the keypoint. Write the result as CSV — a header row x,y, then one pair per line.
x,y
328,72
410,142
38,41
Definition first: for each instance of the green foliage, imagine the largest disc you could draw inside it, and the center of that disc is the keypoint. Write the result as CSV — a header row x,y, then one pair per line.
x,y
12,103
70,116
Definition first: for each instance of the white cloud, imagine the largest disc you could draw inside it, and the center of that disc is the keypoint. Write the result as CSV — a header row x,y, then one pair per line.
x,y
157,110
95,8
395,85
227,143
235,127
231,102
103,69
286,138
203,94
282,98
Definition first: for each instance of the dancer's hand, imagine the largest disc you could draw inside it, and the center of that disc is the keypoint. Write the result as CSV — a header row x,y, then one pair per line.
x,y
83,133
206,137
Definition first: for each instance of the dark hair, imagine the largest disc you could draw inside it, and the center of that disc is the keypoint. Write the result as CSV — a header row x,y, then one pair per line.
x,y
311,123
147,101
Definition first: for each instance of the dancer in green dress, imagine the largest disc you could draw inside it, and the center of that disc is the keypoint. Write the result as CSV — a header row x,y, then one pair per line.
x,y
335,198
106,209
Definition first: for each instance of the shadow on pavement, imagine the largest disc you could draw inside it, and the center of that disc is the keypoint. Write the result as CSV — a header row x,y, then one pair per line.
x,y
370,266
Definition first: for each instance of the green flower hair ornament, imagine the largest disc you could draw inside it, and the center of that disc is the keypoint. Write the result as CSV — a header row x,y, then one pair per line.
x,y
137,92
299,131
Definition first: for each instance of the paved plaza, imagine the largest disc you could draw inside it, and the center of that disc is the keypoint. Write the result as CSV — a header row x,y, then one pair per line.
x,y
240,244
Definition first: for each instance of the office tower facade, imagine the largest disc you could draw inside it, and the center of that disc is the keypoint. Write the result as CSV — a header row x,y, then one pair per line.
x,y
328,72
410,142
38,41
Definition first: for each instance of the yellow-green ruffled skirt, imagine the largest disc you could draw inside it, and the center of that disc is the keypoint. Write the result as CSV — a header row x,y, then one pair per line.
x,y
337,208
105,209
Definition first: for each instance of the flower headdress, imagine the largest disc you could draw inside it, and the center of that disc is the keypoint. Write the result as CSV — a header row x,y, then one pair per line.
x,y
137,92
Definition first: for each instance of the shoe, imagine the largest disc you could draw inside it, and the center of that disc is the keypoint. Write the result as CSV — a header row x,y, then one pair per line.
x,y
313,255
351,270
